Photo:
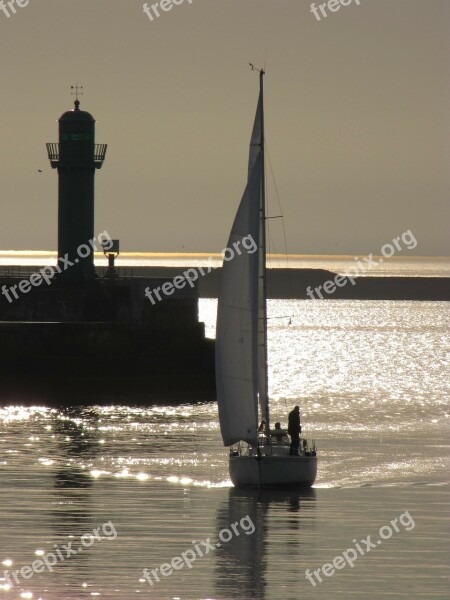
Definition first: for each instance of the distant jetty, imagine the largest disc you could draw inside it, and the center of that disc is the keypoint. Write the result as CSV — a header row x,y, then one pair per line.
x,y
294,283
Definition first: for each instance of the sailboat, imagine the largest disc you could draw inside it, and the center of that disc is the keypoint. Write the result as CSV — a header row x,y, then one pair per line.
x,y
257,458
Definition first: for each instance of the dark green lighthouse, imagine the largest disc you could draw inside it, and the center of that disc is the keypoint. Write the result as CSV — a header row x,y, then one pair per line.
x,y
76,157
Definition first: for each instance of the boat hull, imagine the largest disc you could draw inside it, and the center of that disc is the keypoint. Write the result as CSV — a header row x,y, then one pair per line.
x,y
273,471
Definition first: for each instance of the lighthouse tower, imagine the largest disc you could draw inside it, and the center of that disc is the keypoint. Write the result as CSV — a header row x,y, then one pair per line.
x,y
76,157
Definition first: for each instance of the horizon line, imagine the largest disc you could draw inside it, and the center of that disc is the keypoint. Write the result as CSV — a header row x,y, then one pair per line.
x,y
218,255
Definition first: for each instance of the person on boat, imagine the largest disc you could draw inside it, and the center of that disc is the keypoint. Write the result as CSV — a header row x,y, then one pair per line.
x,y
278,434
294,430
262,426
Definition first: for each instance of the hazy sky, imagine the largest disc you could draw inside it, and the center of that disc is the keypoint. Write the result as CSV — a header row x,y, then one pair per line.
x,y
357,117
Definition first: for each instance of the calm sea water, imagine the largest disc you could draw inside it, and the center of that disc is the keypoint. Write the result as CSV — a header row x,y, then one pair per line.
x,y
372,382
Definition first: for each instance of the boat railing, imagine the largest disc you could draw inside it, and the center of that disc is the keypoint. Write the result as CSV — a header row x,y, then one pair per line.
x,y
266,445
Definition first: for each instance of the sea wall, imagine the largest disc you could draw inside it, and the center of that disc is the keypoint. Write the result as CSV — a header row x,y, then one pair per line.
x,y
92,342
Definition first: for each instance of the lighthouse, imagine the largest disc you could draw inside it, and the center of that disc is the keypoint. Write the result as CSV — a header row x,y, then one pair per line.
x,y
76,157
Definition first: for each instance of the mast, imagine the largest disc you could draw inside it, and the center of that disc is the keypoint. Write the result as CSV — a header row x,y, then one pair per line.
x,y
264,380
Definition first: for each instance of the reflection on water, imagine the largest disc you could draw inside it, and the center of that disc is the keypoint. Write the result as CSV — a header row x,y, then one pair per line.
x,y
242,562
71,513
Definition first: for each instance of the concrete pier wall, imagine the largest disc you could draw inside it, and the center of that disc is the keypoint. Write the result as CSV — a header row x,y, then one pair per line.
x,y
73,342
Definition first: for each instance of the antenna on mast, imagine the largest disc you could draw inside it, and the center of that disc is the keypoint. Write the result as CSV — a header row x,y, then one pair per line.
x,y
256,69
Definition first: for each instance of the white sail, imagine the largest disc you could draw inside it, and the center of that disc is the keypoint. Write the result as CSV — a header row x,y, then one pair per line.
x,y
237,319
237,326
